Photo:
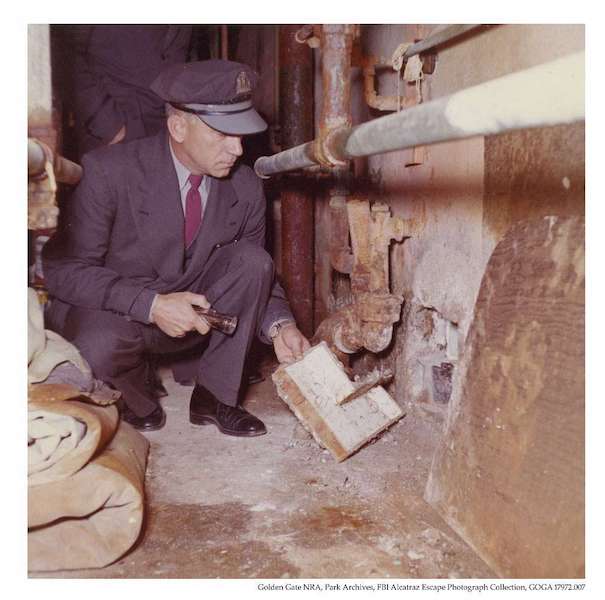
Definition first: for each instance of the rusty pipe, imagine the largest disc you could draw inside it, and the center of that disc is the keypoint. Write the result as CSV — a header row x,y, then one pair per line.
x,y
38,154
439,35
341,257
297,204
365,323
303,34
541,96
224,42
374,100
336,49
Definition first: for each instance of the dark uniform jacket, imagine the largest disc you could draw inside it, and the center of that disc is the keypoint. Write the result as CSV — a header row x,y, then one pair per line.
x,y
122,238
114,66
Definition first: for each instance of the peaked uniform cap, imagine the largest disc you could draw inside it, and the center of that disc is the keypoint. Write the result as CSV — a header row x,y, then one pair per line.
x,y
218,91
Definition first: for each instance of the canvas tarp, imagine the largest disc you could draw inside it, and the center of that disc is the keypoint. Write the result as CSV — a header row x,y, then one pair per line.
x,y
89,516
86,468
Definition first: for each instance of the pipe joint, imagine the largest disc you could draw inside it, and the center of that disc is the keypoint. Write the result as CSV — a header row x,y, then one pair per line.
x,y
376,101
307,35
329,148
39,156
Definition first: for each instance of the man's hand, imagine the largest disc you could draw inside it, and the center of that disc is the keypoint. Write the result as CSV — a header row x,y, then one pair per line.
x,y
289,344
174,315
118,137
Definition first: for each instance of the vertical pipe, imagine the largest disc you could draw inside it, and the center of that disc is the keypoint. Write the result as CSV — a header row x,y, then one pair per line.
x,y
336,47
224,42
296,120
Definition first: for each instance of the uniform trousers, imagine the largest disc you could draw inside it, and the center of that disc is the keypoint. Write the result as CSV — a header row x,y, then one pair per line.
x,y
237,280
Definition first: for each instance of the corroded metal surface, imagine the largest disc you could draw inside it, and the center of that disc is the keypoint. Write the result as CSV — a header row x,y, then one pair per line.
x,y
297,253
367,322
372,98
42,209
45,168
336,47
38,154
295,86
296,121
367,382
545,95
341,257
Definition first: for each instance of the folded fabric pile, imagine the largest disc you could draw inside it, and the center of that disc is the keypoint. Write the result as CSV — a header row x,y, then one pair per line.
x,y
86,468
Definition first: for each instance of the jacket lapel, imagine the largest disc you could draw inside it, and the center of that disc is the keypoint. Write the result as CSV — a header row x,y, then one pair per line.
x,y
220,223
157,210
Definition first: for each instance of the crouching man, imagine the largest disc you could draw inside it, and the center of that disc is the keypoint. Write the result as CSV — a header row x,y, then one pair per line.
x,y
160,225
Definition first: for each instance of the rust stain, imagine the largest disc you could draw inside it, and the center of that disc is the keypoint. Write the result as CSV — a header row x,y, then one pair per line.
x,y
202,541
333,525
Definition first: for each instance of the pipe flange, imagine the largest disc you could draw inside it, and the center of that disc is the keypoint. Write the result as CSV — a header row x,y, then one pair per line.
x,y
327,148
48,160
331,149
338,341
306,35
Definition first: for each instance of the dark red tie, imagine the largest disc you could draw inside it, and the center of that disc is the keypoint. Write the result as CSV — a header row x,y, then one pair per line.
x,y
193,209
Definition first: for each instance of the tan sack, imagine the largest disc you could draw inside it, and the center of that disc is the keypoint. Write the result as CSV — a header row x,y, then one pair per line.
x,y
91,518
64,435
46,349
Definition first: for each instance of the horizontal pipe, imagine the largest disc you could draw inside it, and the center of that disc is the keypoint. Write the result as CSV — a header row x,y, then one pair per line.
x,y
65,170
541,96
438,36
36,159
298,157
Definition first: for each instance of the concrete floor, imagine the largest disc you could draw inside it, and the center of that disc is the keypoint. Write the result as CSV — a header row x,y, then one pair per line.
x,y
278,506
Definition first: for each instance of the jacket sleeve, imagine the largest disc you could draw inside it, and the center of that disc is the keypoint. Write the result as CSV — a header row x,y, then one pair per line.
x,y
95,105
74,259
278,308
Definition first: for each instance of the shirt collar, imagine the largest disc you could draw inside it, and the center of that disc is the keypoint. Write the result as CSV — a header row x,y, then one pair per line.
x,y
182,172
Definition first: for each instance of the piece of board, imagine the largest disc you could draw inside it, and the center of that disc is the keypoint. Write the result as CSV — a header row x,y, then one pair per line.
x,y
313,387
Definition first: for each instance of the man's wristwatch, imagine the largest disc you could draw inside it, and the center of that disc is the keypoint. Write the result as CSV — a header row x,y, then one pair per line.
x,y
277,327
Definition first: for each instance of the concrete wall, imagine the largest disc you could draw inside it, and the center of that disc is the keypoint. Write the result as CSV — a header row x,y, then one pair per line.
x,y
508,472
39,89
493,476
466,194
39,95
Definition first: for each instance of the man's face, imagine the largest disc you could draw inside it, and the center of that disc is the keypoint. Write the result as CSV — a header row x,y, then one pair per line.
x,y
208,151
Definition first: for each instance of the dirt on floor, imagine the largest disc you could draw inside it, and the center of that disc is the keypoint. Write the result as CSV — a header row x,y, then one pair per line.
x,y
279,506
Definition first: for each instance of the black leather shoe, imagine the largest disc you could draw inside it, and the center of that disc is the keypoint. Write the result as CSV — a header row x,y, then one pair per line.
x,y
151,422
205,409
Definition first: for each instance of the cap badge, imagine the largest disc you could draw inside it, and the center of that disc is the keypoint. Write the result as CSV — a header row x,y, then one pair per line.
x,y
242,84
